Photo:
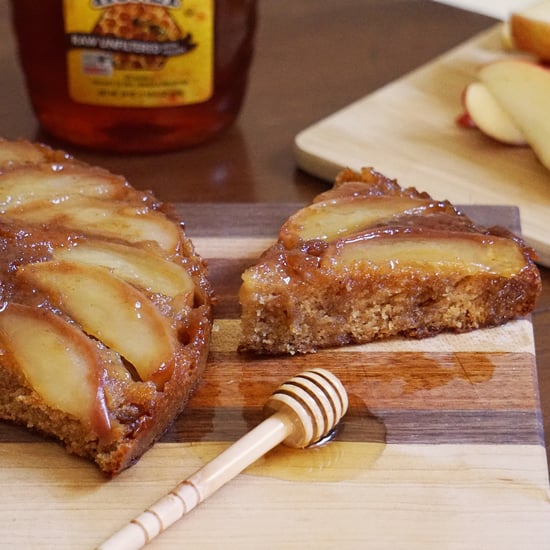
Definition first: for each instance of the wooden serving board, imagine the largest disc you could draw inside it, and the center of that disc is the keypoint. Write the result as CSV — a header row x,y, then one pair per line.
x,y
442,446
407,130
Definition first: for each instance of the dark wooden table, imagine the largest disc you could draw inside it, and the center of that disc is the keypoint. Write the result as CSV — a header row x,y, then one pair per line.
x,y
311,59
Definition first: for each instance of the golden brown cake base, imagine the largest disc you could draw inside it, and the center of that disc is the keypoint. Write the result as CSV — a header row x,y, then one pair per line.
x,y
77,261
369,260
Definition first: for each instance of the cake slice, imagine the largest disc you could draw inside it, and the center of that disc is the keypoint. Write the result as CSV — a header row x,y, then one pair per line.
x,y
105,314
369,260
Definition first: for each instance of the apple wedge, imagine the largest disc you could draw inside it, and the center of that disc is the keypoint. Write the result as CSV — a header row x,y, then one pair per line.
x,y
112,311
46,182
444,253
328,220
110,219
24,152
530,29
139,267
522,89
58,361
489,117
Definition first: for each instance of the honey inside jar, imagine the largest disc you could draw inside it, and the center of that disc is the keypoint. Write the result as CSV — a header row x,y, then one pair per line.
x,y
141,76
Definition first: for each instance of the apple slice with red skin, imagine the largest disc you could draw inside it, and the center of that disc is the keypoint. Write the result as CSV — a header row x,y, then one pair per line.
x,y
111,310
58,361
465,120
522,89
486,114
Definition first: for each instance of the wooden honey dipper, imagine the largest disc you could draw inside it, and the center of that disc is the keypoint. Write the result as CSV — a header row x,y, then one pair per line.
x,y
302,411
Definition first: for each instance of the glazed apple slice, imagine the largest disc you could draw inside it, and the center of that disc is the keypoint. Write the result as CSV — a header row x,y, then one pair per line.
x,y
108,219
25,152
139,267
336,218
58,361
489,117
438,253
53,183
522,88
111,310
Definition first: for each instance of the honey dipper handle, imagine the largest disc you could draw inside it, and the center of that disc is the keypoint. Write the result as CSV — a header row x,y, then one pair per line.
x,y
303,410
191,492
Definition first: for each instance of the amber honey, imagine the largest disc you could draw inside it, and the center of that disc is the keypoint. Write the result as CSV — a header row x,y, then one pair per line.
x,y
141,76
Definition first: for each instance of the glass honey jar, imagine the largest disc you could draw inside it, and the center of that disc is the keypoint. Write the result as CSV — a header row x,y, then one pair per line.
x,y
135,76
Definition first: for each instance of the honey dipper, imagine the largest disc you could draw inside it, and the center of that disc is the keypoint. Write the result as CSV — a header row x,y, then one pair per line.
x,y
303,410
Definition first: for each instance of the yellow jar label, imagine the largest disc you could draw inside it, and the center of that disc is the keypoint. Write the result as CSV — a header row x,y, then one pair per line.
x,y
142,53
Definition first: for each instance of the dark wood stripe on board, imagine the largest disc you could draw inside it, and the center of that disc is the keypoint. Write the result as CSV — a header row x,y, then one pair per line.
x,y
383,426
382,380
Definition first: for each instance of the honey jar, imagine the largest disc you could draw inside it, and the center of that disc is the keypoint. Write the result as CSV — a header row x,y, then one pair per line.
x,y
135,76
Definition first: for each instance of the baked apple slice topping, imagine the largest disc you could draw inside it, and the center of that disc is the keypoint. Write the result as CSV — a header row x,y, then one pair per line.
x,y
111,310
461,252
137,266
104,218
336,218
58,362
15,153
53,183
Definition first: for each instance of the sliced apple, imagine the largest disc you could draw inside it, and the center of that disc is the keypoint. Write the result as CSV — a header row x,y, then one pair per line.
x,y
465,120
58,361
522,89
52,183
112,311
139,267
110,219
328,220
530,29
20,152
489,116
440,254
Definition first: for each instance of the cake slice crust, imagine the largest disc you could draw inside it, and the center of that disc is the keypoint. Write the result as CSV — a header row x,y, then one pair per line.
x,y
369,260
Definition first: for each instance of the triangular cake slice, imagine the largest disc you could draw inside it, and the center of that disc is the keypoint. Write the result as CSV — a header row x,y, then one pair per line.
x,y
105,314
369,260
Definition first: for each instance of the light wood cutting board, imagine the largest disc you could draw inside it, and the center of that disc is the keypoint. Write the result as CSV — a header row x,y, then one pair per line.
x,y
442,447
407,131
